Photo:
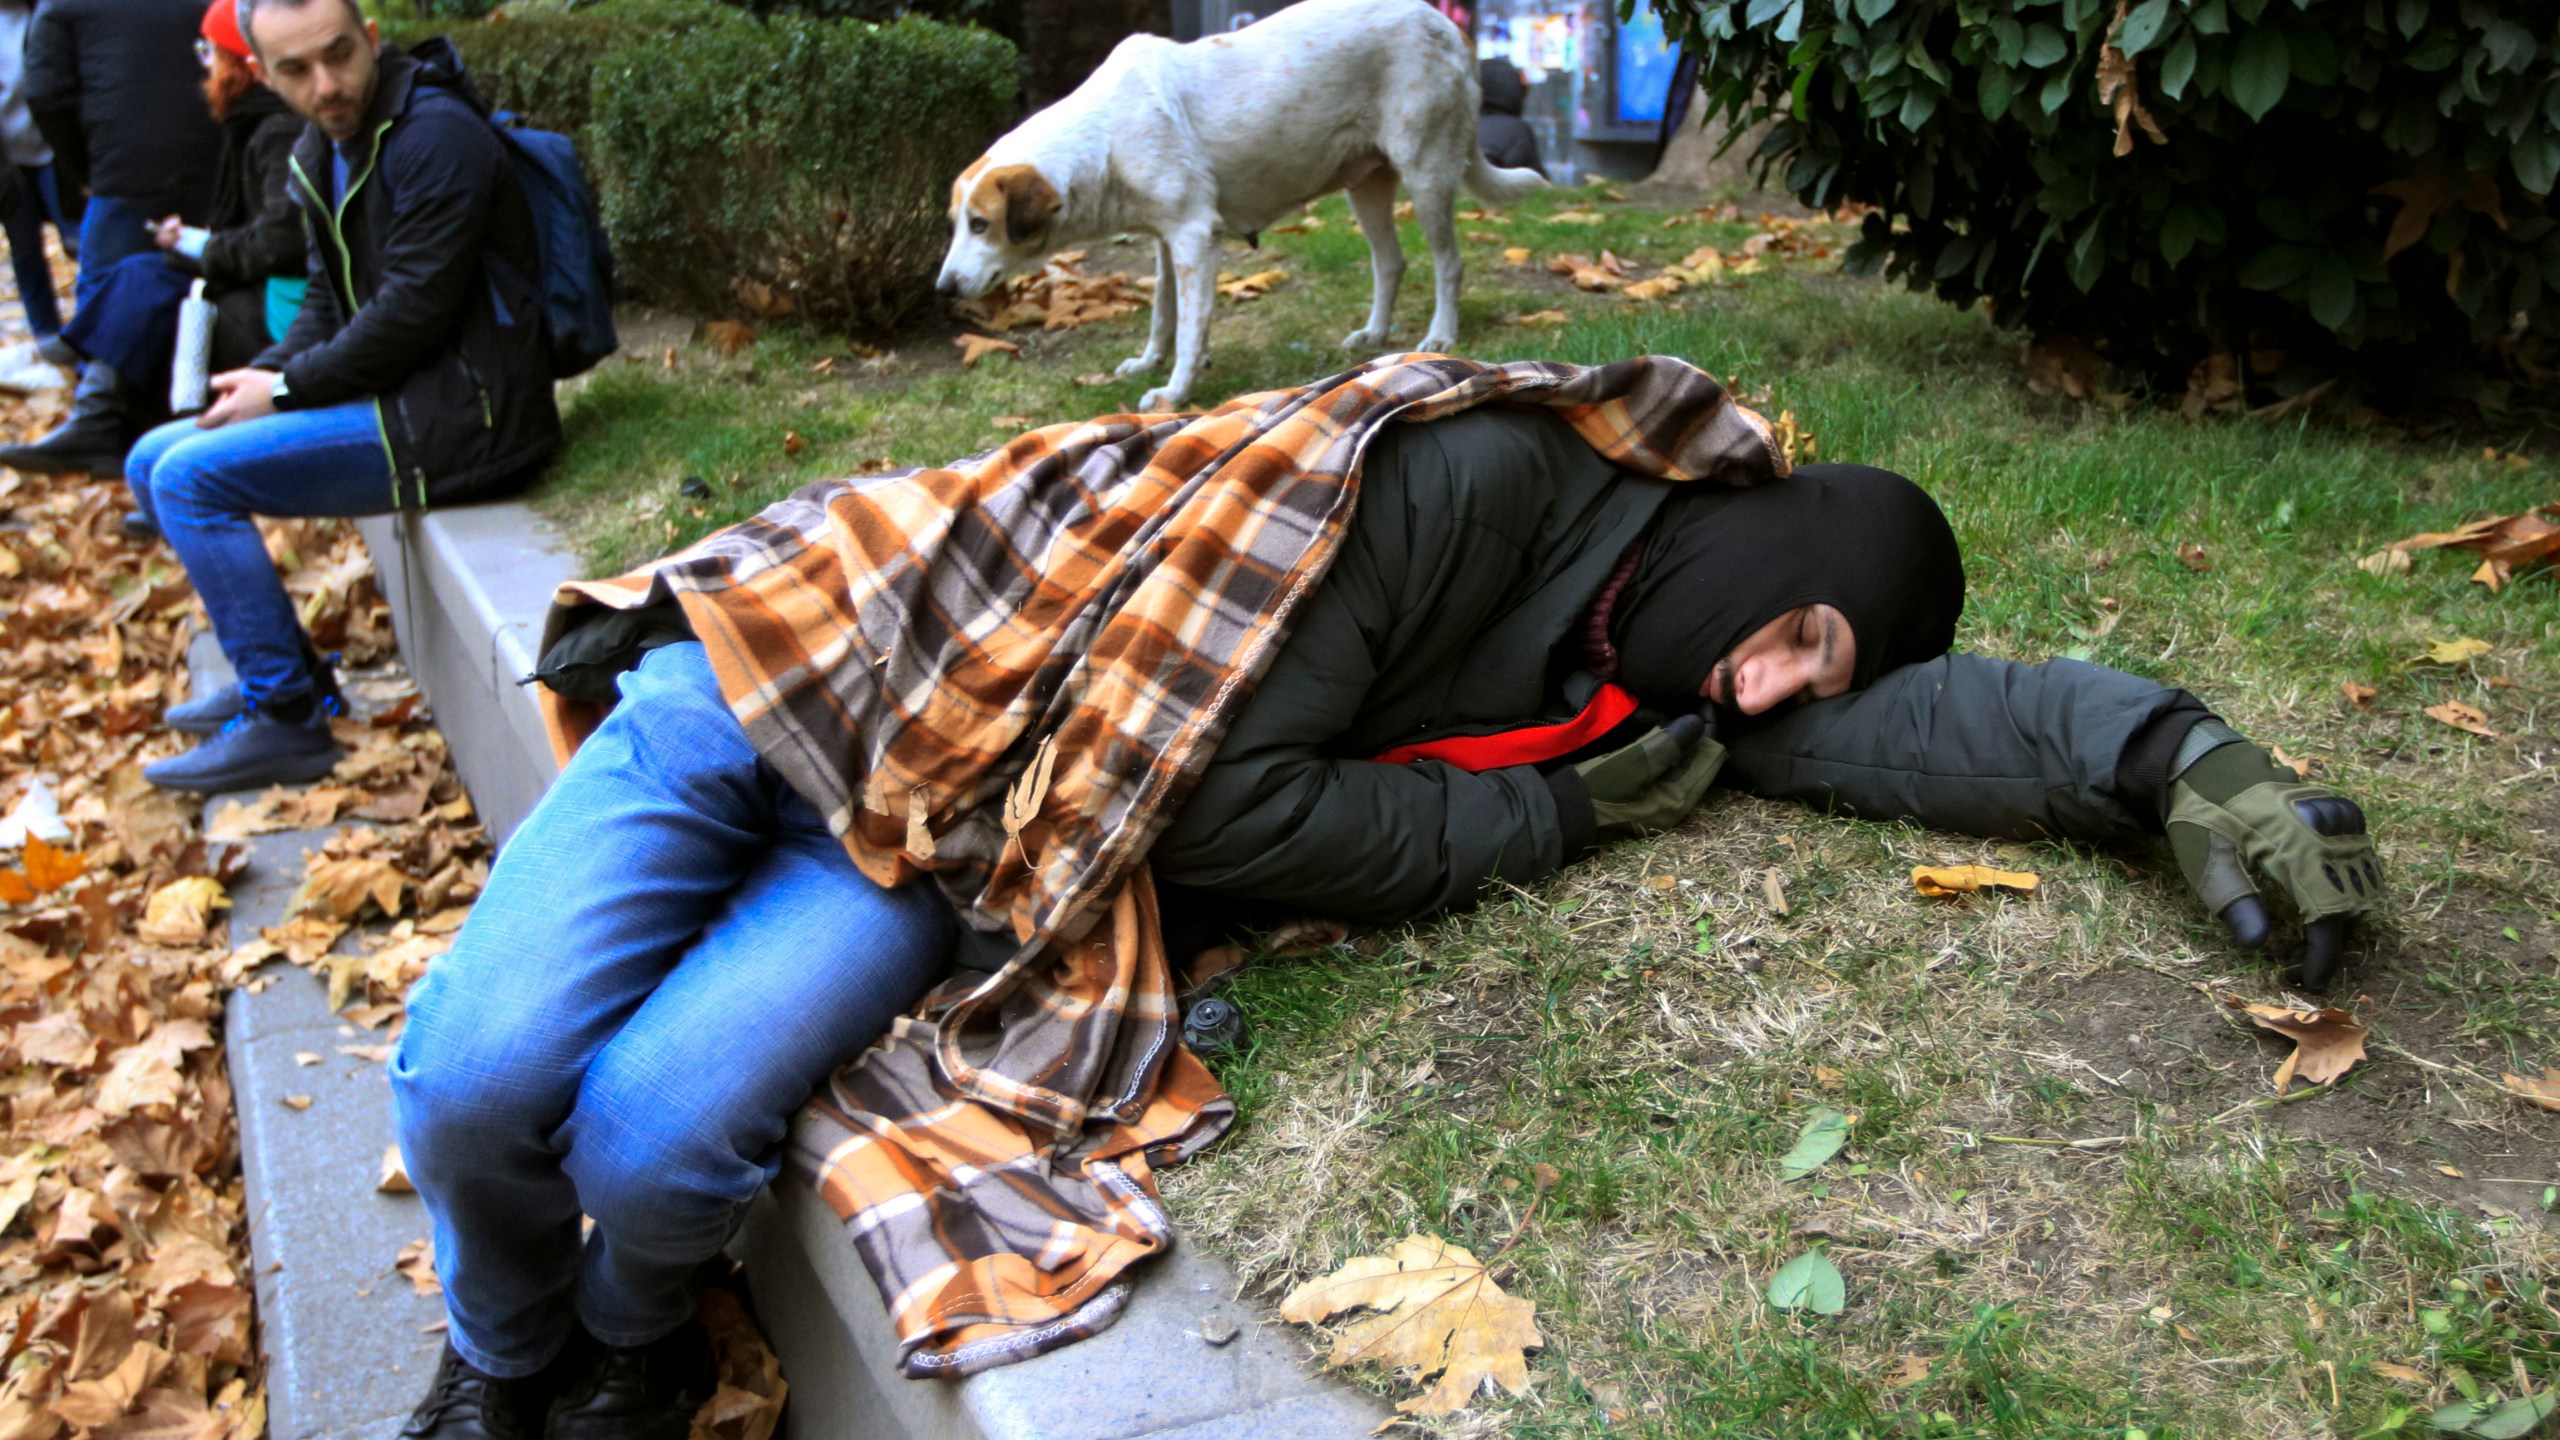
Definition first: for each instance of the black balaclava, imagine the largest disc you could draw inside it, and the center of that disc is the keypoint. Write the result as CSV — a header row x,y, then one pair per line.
x,y
1719,564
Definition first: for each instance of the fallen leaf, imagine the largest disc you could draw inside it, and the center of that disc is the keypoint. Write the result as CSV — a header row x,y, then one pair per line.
x,y
1824,1132
2405,1374
974,348
1809,1282
179,912
1540,317
2387,562
2463,717
1516,254
728,336
2512,1420
2327,1042
2295,763
1251,287
1653,289
2194,558
417,1260
338,888
1011,422
1773,891
1437,1311
2544,1091
1941,880
297,1102
2454,1171
49,869
2453,652
792,444
2360,696
1097,378
395,1174
1911,1370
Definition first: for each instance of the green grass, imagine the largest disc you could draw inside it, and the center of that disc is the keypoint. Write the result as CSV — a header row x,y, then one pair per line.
x,y
1645,1024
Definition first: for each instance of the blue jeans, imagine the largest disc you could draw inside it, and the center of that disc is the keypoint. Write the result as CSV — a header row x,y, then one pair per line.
x,y
201,486
672,955
110,230
25,224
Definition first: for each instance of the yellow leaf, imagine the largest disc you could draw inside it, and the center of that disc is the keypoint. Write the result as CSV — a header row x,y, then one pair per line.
x,y
181,911
2360,696
2452,652
395,1174
1437,1311
1939,880
50,869
2327,1043
417,1260
2298,764
2463,717
1576,217
2391,560
974,348
1653,289
339,888
2405,1374
2544,1092
1540,317
1516,254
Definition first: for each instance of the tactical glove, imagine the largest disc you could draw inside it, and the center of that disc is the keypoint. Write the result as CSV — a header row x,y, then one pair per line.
x,y
2232,810
1654,783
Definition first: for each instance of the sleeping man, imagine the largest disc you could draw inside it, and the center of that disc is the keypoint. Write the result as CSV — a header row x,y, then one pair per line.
x,y
1357,650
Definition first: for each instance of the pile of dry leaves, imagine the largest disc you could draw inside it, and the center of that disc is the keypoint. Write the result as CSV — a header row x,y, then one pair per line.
x,y
1057,296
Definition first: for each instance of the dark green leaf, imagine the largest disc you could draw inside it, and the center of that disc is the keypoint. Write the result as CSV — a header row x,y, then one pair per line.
x,y
2210,18
1761,12
2277,266
2412,15
2537,163
2260,69
2142,26
2178,232
1918,104
2010,36
2056,91
1996,88
2044,45
2177,67
1826,1129
2314,56
2511,46
1871,11
2333,289
2089,253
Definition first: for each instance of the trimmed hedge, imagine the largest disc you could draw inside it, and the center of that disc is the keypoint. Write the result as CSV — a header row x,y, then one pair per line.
x,y
798,167
2170,176
778,167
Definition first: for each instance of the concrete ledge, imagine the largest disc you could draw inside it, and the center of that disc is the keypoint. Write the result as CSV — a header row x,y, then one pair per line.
x,y
468,588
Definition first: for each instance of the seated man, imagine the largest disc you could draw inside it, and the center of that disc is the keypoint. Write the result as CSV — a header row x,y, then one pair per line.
x,y
1510,655
416,371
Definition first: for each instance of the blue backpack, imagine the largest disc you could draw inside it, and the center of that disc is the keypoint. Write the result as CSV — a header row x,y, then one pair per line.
x,y
576,283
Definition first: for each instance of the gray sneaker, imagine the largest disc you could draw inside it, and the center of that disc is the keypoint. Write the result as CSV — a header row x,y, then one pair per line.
x,y
253,751
207,713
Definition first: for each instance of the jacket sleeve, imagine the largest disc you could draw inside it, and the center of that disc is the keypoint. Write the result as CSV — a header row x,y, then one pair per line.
x,y
271,241
52,91
1275,818
1968,743
315,322
448,167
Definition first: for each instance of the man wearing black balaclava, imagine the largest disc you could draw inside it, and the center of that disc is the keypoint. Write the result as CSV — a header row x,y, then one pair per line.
x,y
1549,653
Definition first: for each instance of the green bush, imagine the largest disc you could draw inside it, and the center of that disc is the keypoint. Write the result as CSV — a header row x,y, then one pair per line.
x,y
2329,176
541,62
795,167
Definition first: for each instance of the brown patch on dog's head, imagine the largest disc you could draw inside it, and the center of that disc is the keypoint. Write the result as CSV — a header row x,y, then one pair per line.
x,y
960,186
1015,199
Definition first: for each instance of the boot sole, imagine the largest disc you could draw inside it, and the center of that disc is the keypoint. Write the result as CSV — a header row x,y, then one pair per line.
x,y
94,468
301,772
205,728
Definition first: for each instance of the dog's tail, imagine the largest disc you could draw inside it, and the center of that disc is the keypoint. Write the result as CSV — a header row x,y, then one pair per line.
x,y
1497,185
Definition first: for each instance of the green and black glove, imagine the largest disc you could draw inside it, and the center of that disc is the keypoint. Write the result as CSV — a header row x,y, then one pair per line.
x,y
2232,809
1653,784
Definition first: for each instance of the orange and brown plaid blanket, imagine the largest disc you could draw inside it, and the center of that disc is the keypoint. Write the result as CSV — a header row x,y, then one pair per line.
x,y
1003,676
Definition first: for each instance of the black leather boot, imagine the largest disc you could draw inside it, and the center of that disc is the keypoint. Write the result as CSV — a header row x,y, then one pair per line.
x,y
92,440
645,1392
463,1404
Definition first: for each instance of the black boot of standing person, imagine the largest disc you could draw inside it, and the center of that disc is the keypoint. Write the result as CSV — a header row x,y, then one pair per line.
x,y
93,439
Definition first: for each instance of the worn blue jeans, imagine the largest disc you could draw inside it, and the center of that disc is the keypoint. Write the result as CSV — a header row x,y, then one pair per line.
x,y
672,954
202,486
110,230
25,222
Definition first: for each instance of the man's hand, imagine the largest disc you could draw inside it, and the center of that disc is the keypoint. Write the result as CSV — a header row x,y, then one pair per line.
x,y
164,233
239,395
1656,782
2232,810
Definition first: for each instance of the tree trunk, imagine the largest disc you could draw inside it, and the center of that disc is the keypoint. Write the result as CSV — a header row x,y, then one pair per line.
x,y
1067,39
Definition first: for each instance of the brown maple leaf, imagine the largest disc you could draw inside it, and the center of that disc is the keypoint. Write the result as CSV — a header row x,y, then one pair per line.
x,y
1437,1310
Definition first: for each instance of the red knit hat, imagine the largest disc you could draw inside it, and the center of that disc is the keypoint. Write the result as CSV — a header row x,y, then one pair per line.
x,y
222,27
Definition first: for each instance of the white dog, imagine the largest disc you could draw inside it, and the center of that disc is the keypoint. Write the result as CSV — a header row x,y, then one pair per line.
x,y
1226,135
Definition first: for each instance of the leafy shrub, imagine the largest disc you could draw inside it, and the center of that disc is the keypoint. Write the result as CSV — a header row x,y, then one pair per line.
x,y
794,167
1002,16
2172,176
541,63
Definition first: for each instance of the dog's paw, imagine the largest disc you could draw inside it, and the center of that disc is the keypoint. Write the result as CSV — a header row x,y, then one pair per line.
x,y
1437,344
1163,397
1137,365
1364,339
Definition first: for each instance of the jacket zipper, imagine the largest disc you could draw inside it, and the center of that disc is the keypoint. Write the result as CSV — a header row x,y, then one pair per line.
x,y
347,269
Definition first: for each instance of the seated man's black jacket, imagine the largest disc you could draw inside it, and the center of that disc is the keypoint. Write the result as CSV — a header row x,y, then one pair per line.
x,y
406,309
1477,545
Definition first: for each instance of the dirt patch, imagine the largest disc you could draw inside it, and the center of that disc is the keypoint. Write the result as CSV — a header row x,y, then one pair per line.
x,y
2438,1131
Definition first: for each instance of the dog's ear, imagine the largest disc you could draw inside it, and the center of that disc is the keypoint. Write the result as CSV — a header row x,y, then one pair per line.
x,y
1030,202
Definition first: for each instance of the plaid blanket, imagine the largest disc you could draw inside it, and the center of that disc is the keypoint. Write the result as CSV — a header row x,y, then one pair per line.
x,y
1002,676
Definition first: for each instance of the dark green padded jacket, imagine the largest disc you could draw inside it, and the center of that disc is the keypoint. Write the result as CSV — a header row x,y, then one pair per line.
x,y
1478,543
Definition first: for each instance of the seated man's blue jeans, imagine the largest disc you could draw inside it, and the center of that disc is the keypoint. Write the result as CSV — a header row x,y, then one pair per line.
x,y
672,955
202,486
